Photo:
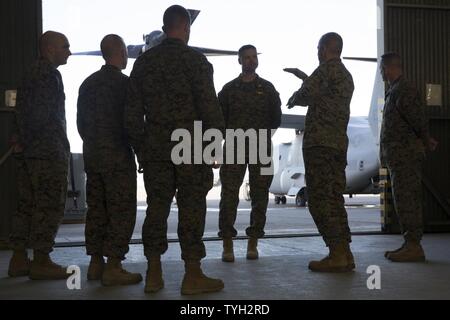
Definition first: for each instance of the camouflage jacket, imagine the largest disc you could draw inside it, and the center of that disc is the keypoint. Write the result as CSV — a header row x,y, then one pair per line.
x,y
100,121
41,116
404,126
248,105
327,92
171,86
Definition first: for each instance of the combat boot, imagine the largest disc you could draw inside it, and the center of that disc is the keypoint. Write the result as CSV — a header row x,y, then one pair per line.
x,y
154,280
115,275
228,253
252,250
19,265
96,267
412,251
350,258
340,259
43,268
195,282
387,253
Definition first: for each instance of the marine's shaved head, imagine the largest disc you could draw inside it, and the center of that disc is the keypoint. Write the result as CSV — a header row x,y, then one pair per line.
x,y
175,17
391,66
111,45
54,47
392,59
333,42
50,38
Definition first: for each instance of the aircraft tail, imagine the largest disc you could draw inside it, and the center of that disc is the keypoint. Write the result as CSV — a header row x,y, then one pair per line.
x,y
376,107
377,101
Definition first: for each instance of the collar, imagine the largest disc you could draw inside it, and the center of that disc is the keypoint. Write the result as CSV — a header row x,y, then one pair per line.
x,y
173,41
332,60
110,67
46,63
241,81
396,81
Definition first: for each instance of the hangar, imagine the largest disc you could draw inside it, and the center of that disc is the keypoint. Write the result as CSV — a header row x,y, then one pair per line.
x,y
417,29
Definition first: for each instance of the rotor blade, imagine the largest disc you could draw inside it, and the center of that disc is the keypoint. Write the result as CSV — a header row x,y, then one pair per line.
x,y
215,52
361,59
133,52
88,53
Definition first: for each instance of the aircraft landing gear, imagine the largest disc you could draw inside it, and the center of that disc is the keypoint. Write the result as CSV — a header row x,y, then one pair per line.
x,y
301,198
277,200
281,200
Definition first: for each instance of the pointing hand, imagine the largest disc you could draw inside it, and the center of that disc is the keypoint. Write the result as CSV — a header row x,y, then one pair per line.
x,y
296,72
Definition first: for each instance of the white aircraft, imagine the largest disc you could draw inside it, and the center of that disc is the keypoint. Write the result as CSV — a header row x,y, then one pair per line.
x,y
156,37
362,156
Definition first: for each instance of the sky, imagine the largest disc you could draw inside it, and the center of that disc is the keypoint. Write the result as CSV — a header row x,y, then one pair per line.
x,y
285,32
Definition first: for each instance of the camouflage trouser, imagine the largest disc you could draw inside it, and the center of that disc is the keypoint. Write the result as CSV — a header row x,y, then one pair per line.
x,y
406,174
231,176
192,183
111,216
325,180
42,187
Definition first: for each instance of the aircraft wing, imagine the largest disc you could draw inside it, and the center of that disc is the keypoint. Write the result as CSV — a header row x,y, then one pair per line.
x,y
361,59
87,53
215,52
293,121
135,51
155,38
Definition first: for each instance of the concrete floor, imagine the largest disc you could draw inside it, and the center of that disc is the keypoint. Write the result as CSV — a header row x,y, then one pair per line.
x,y
281,273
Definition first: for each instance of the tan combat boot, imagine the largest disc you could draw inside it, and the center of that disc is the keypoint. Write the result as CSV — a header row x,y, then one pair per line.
x,y
411,252
387,253
350,258
43,268
19,265
96,267
115,275
154,280
252,250
340,259
195,282
228,253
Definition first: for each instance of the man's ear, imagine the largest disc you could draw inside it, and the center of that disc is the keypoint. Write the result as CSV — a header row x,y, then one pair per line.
x,y
240,61
49,50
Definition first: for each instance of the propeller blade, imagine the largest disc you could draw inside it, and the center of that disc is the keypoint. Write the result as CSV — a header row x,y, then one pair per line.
x,y
215,52
361,59
88,53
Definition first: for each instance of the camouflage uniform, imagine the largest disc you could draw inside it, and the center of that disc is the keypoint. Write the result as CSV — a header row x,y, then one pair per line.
x,y
109,163
43,164
327,92
247,105
403,135
171,86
